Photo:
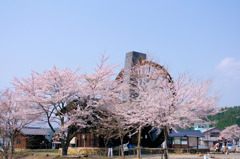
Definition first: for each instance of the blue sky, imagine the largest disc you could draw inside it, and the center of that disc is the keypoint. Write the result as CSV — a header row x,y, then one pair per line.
x,y
199,37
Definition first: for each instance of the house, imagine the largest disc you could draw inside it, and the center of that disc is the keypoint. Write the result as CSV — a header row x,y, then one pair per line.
x,y
186,138
32,138
211,137
200,126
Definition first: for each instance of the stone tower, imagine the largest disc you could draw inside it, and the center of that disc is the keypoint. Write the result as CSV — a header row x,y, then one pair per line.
x,y
132,58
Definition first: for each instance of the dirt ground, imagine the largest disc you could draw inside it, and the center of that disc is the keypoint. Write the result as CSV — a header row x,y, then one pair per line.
x,y
171,156
190,156
181,156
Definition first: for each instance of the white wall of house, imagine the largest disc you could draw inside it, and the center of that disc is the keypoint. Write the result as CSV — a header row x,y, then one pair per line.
x,y
212,134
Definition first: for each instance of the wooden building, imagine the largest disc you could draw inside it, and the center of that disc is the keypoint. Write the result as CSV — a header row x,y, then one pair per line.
x,y
185,139
32,138
86,139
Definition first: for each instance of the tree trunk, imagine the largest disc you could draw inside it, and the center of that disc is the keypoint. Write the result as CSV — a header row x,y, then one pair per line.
x,y
106,146
12,146
6,156
122,151
64,149
165,140
65,144
5,148
139,143
5,151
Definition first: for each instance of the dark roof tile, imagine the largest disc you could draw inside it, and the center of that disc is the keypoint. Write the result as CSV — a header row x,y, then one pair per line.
x,y
34,131
185,133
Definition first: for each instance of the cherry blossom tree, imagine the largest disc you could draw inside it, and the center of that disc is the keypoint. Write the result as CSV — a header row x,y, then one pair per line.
x,y
14,115
181,103
104,95
100,88
122,127
164,103
106,128
135,107
231,132
51,92
113,126
54,92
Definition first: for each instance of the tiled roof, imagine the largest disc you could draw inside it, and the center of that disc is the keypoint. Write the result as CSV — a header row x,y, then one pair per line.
x,y
185,133
34,131
209,129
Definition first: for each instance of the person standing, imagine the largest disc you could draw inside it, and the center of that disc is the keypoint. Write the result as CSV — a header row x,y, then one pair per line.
x,y
163,145
125,149
110,148
226,149
216,147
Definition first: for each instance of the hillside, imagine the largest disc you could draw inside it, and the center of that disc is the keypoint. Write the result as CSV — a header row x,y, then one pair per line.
x,y
227,118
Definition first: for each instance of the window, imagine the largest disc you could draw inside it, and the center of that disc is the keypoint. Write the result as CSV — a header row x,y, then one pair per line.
x,y
177,141
184,141
214,134
202,126
18,141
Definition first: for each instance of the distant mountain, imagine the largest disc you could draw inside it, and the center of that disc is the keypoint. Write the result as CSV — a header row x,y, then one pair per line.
x,y
227,118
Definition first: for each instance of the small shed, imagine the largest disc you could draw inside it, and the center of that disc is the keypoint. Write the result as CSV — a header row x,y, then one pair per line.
x,y
32,138
186,138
